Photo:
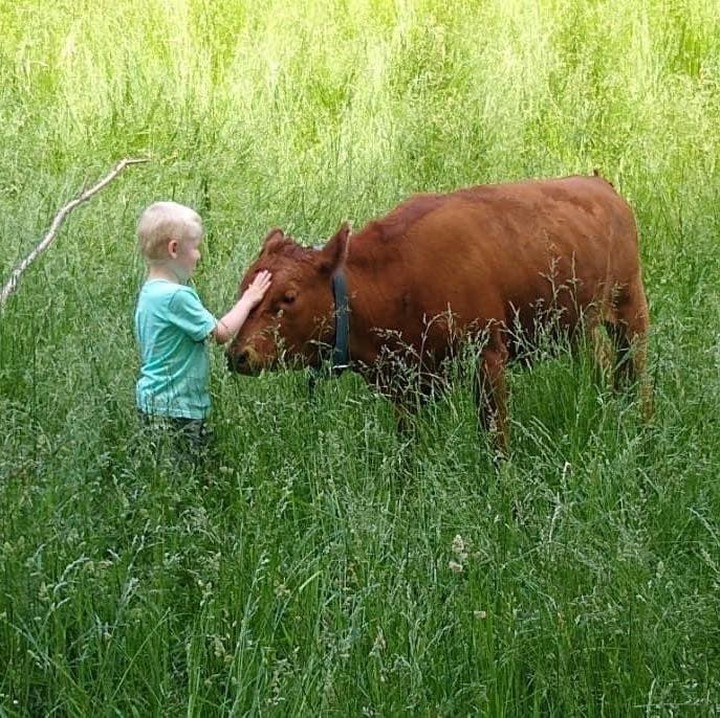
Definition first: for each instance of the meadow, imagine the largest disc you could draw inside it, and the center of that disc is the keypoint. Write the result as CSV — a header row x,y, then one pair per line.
x,y
324,565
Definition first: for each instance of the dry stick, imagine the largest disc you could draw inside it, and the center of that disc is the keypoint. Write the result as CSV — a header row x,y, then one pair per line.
x,y
12,283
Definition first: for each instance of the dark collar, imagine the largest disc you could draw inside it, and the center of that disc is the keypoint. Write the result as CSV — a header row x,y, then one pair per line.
x,y
341,348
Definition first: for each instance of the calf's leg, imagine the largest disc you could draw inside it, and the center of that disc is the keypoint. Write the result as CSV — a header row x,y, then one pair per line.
x,y
491,393
629,334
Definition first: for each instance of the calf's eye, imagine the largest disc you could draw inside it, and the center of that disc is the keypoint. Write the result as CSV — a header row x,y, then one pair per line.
x,y
288,297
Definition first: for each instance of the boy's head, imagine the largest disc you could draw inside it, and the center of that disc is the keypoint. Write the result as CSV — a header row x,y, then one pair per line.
x,y
165,223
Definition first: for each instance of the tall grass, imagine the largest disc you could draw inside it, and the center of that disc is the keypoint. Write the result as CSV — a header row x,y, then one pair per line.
x,y
324,565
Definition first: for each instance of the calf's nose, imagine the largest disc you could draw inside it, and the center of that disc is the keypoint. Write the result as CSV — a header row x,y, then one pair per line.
x,y
237,361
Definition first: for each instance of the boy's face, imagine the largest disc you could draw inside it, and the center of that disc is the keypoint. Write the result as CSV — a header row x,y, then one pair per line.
x,y
185,255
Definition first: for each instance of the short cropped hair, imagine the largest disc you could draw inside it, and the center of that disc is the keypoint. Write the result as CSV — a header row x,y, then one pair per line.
x,y
162,222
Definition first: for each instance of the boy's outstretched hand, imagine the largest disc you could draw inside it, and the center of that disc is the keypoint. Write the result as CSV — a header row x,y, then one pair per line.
x,y
257,288
230,324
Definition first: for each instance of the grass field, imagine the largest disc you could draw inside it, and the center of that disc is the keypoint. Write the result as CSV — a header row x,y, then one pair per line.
x,y
324,565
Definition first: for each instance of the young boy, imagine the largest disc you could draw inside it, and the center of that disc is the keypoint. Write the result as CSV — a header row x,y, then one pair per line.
x,y
172,325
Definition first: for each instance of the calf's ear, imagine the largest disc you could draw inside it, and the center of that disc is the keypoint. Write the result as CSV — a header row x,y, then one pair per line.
x,y
334,252
274,239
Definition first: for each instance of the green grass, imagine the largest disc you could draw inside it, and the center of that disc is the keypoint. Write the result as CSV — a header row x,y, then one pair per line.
x,y
326,565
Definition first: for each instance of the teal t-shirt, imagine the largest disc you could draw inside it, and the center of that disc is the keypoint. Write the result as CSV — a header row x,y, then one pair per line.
x,y
171,326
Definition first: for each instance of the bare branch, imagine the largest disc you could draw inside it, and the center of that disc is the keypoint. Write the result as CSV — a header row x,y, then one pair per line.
x,y
12,284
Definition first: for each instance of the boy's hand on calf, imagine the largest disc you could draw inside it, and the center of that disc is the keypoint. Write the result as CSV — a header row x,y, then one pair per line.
x,y
257,288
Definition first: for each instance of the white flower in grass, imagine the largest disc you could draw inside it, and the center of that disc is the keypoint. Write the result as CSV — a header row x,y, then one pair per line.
x,y
459,548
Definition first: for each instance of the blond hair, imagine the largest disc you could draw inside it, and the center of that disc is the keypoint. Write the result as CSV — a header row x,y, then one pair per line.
x,y
163,222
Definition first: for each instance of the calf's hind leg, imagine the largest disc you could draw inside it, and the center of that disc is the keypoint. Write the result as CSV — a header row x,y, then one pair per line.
x,y
491,392
629,335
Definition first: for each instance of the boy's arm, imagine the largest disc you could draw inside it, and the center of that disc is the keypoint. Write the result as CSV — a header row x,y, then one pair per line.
x,y
229,325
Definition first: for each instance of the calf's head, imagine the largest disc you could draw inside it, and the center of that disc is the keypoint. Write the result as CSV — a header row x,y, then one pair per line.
x,y
296,315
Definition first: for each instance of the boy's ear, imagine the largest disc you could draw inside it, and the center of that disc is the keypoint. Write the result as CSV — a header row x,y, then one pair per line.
x,y
173,247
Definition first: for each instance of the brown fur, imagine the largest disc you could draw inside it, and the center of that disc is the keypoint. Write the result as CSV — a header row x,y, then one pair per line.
x,y
506,263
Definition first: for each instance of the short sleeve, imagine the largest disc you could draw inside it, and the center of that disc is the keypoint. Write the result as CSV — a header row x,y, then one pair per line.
x,y
190,316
